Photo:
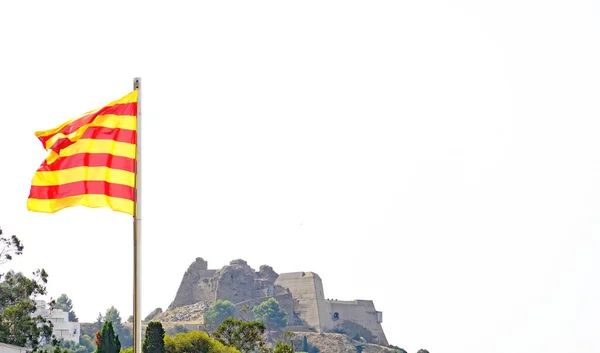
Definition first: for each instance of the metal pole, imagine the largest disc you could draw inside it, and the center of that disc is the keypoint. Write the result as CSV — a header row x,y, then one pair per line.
x,y
137,227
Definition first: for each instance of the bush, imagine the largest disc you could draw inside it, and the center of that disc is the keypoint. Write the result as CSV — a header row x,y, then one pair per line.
x,y
195,342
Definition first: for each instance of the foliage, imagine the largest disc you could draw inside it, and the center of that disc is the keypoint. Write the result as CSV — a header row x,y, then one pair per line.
x,y
17,300
87,342
423,351
98,323
399,350
218,312
283,348
244,336
154,341
287,337
113,315
270,313
106,340
130,318
245,314
195,342
66,347
9,247
127,350
359,349
64,303
177,329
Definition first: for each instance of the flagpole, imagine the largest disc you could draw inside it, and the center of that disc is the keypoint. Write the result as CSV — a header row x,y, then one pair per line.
x,y
137,227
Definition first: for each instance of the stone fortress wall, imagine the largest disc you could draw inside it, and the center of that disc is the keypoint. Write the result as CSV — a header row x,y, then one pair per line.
x,y
301,294
324,315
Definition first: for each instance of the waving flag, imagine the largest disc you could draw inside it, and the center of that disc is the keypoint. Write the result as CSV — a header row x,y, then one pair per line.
x,y
91,161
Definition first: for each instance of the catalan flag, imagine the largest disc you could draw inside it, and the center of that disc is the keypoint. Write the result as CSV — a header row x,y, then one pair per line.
x,y
91,161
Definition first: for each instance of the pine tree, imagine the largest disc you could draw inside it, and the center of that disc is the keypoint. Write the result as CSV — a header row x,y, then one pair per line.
x,y
271,314
154,342
106,339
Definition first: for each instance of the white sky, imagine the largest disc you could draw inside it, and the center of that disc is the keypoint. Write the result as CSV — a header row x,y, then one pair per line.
x,y
439,157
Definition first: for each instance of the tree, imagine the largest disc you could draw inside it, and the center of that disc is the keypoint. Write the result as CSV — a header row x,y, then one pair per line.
x,y
9,247
244,336
423,351
195,342
217,313
98,323
106,339
113,315
64,303
66,347
283,348
130,318
154,341
87,342
270,313
17,301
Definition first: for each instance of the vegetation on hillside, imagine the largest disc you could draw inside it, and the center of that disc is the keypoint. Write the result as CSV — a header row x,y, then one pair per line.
x,y
17,300
244,336
217,313
271,314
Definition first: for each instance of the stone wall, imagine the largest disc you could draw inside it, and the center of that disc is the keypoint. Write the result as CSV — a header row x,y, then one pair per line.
x,y
361,312
309,299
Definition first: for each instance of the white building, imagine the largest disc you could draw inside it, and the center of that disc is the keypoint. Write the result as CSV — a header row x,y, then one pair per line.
x,y
61,326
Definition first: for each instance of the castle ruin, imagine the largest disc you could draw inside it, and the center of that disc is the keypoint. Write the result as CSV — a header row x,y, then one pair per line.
x,y
300,294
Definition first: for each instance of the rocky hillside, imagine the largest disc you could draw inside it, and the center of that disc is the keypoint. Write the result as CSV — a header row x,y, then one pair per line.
x,y
336,343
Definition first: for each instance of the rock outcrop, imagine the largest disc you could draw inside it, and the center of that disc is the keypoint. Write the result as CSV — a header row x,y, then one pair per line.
x,y
190,290
237,282
153,314
300,294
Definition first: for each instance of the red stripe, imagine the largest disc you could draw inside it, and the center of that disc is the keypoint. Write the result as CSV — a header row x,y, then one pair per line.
x,y
104,133
90,160
117,109
98,133
81,188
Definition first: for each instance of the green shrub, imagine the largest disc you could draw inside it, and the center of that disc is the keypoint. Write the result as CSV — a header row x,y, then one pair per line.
x,y
195,342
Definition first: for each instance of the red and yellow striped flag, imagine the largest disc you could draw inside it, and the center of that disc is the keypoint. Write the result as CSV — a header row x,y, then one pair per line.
x,y
91,161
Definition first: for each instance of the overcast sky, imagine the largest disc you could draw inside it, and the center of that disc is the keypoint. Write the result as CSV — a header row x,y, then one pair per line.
x,y
438,157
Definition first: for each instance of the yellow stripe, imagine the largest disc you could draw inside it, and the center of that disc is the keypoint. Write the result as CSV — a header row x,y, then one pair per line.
x,y
61,126
93,201
109,121
129,98
95,146
114,176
